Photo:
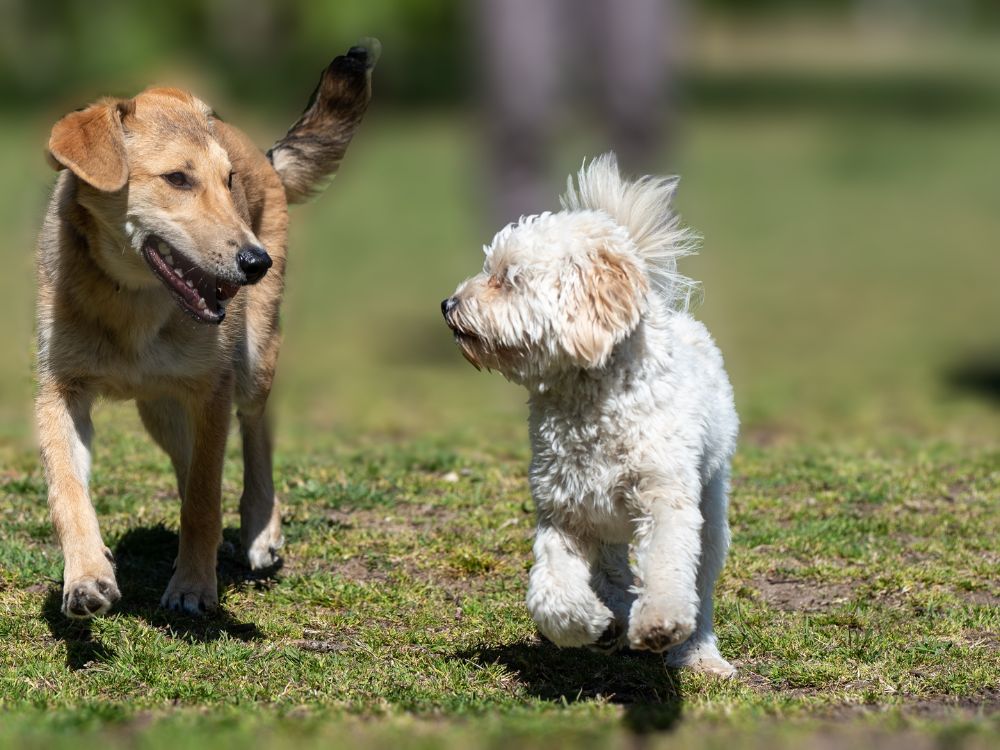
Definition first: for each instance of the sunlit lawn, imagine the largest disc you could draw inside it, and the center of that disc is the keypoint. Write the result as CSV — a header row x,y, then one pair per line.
x,y
849,271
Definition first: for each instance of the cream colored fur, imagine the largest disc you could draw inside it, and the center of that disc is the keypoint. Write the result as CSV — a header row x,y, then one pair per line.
x,y
632,419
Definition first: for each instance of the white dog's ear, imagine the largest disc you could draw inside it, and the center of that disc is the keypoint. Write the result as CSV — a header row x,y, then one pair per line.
x,y
604,308
91,143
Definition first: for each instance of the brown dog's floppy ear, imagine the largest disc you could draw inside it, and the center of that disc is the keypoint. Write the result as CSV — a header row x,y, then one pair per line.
x,y
608,305
91,143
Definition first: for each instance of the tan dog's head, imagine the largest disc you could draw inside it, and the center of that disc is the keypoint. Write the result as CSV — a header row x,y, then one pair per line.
x,y
163,192
557,291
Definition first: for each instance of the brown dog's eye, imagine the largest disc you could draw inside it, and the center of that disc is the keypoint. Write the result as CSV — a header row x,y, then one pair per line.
x,y
230,182
177,179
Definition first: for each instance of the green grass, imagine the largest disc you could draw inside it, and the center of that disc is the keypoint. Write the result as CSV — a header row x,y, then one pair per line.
x,y
849,271
862,586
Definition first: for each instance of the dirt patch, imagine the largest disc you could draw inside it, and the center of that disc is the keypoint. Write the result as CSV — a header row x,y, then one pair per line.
x,y
396,519
986,702
938,707
454,587
751,679
984,639
355,569
981,598
321,647
797,595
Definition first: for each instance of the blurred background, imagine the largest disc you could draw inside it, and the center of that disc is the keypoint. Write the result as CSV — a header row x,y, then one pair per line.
x,y
840,159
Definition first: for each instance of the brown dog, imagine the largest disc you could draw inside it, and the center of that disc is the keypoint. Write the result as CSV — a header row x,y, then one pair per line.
x,y
163,215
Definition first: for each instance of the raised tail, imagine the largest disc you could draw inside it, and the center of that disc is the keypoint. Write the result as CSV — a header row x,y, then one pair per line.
x,y
311,151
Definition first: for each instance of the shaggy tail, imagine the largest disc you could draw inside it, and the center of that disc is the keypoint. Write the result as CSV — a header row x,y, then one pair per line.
x,y
643,207
312,149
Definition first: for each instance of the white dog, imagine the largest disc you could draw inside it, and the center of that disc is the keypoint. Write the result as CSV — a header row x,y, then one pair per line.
x,y
632,417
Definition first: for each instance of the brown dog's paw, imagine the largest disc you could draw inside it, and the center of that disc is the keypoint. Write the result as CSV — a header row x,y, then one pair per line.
x,y
262,553
89,596
263,558
191,597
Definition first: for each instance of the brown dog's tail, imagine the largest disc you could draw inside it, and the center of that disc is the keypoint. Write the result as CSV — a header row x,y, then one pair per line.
x,y
313,147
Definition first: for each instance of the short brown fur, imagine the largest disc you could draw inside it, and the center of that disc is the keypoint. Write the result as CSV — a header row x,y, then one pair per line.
x,y
108,326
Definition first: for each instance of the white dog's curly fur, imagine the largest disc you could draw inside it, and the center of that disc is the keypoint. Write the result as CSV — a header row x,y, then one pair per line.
x,y
632,417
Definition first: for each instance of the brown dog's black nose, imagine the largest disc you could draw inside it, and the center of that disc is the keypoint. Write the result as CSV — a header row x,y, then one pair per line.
x,y
253,262
447,305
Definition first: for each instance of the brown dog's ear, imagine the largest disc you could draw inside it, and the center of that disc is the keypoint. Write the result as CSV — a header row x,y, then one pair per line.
x,y
91,143
608,305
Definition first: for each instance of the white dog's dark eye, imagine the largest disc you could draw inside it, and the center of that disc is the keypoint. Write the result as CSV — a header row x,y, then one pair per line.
x,y
230,182
177,179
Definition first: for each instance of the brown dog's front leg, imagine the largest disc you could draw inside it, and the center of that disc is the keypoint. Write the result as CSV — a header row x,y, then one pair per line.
x,y
260,516
65,430
194,587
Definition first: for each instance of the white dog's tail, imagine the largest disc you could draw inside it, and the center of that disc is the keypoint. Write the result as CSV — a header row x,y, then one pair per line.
x,y
643,207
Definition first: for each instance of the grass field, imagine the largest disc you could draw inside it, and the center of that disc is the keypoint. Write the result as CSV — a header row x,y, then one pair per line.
x,y
850,272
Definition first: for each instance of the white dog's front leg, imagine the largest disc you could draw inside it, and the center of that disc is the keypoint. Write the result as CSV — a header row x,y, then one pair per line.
x,y
701,651
668,547
560,598
613,582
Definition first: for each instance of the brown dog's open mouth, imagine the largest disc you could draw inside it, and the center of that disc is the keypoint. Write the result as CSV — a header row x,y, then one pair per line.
x,y
199,292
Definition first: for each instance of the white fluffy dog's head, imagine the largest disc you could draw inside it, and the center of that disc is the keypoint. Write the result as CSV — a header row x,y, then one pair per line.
x,y
560,291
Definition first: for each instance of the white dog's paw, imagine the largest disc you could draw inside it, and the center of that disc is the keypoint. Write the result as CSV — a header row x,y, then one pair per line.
x,y
612,639
190,595
701,656
568,626
655,627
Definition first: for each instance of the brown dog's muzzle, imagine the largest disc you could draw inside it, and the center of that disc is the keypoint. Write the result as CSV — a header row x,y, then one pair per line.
x,y
200,293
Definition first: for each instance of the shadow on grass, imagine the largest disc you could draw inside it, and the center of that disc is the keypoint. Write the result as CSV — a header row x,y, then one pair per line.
x,y
144,563
641,683
977,375
82,648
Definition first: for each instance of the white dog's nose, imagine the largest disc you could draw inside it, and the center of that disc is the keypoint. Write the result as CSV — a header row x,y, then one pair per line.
x,y
448,305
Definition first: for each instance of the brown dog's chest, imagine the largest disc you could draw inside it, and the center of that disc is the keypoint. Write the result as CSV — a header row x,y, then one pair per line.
x,y
166,365
138,353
